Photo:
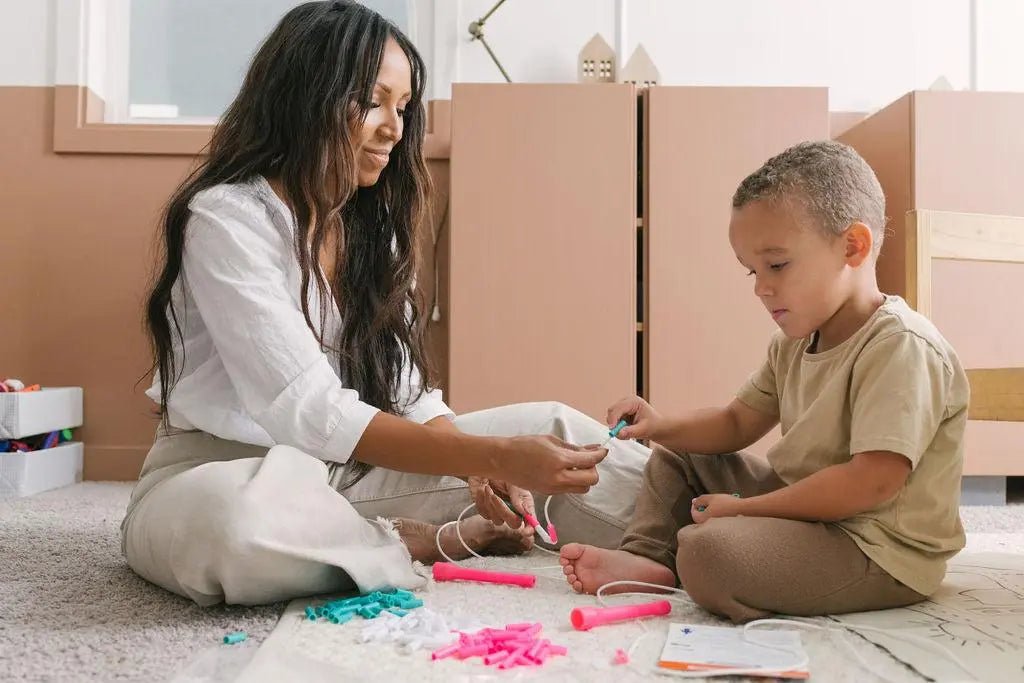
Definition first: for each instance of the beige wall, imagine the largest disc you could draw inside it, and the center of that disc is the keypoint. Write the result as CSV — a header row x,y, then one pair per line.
x,y
76,238
77,233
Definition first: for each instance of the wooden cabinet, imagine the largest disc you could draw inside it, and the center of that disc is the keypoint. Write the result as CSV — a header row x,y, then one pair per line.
x,y
957,152
542,271
704,329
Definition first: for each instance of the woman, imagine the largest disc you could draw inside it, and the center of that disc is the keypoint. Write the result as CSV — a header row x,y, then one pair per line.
x,y
302,450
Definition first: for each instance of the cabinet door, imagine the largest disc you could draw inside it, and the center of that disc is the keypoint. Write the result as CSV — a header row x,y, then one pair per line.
x,y
705,331
543,247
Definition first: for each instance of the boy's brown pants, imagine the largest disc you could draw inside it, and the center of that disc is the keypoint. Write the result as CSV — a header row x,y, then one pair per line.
x,y
747,568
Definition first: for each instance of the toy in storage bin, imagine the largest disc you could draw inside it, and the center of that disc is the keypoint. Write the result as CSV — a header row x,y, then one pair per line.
x,y
26,414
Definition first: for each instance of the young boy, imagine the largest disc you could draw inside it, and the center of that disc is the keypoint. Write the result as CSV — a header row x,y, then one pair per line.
x,y
857,505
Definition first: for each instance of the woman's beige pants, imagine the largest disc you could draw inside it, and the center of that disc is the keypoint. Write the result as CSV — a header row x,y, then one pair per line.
x,y
237,523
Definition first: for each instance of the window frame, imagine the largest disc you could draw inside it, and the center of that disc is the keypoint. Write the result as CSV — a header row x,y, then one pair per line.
x,y
92,35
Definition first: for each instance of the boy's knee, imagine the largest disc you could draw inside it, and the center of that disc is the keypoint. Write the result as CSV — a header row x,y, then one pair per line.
x,y
662,463
713,569
701,548
704,558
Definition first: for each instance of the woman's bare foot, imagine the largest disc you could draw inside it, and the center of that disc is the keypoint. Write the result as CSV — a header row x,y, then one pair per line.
x,y
480,534
588,568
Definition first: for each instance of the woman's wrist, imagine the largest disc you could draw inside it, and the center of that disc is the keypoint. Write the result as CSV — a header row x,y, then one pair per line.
x,y
482,455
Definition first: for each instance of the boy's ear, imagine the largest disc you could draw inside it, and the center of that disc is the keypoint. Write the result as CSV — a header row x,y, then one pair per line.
x,y
859,243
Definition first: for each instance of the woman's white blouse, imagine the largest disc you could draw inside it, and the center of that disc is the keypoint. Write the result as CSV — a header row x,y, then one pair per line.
x,y
251,370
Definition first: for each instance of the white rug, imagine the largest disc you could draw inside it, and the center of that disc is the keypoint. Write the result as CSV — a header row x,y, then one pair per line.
x,y
977,614
315,651
71,610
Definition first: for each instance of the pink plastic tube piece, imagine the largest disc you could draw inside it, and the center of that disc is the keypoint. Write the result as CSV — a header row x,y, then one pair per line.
x,y
444,652
443,571
586,618
467,651
552,533
495,657
531,520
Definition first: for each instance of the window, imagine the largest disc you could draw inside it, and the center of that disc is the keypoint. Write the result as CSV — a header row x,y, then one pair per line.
x,y
186,58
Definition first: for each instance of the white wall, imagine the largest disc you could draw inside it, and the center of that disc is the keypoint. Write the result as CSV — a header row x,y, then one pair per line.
x,y
27,30
536,40
1001,34
868,52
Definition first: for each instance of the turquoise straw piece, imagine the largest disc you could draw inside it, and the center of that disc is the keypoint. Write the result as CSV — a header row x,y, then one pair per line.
x,y
618,428
236,637
614,432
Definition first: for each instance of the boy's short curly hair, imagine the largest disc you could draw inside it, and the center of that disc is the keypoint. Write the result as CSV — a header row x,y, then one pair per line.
x,y
830,180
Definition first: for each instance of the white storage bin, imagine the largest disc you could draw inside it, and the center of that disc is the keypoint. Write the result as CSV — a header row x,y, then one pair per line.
x,y
28,413
22,474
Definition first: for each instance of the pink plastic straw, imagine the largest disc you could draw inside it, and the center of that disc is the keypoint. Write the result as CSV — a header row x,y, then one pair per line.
x,y
444,652
443,571
513,659
552,533
495,658
586,618
467,651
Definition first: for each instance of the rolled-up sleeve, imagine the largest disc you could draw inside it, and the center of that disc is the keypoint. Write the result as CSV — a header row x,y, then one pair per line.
x,y
236,269
428,405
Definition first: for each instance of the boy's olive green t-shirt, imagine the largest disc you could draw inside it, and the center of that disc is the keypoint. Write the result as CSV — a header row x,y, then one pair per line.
x,y
895,385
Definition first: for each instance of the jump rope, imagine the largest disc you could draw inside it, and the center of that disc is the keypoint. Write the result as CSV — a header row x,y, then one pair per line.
x,y
583,619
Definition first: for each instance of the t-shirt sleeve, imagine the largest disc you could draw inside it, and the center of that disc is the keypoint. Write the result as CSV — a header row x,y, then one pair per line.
x,y
898,395
760,392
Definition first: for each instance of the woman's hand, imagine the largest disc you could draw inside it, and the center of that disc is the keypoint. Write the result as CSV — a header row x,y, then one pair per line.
x,y
711,505
490,495
547,464
642,418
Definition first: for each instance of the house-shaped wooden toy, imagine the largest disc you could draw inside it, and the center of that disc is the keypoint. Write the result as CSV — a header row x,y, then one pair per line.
x,y
596,62
639,70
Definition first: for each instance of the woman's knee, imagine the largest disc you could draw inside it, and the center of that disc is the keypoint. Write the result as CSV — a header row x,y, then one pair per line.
x,y
188,525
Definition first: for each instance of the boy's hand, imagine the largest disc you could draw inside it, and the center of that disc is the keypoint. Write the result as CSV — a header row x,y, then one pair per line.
x,y
642,418
711,505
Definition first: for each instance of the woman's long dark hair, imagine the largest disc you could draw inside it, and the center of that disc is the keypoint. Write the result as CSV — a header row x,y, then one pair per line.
x,y
309,85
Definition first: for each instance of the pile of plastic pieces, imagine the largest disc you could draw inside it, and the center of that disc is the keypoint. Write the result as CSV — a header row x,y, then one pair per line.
x,y
420,629
396,602
515,645
35,443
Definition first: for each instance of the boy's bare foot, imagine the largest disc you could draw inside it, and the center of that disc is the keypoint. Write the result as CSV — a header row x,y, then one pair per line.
x,y
588,568
480,534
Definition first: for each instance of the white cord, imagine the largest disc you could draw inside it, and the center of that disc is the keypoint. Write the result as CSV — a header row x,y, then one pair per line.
x,y
803,660
639,622
458,532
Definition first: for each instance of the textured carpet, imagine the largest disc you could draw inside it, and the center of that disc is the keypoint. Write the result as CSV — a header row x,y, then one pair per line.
x,y
71,610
